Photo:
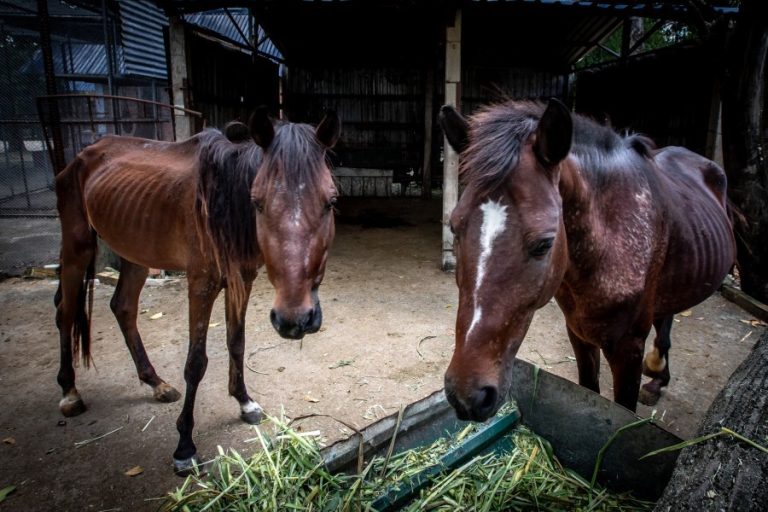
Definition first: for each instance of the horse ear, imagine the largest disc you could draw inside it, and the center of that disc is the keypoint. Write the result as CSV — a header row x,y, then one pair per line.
x,y
261,127
455,127
236,131
554,134
329,129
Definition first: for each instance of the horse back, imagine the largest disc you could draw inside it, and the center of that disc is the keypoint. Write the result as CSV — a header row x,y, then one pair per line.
x,y
138,195
700,243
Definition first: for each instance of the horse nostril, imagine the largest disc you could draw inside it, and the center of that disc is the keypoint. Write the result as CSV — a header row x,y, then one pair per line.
x,y
484,402
306,319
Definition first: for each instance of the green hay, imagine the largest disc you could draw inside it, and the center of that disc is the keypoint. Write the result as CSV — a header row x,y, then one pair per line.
x,y
288,474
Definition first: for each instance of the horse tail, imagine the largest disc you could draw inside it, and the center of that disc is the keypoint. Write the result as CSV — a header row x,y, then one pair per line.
x,y
81,330
72,206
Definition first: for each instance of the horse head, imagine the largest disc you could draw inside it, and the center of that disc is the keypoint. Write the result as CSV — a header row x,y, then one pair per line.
x,y
294,196
509,241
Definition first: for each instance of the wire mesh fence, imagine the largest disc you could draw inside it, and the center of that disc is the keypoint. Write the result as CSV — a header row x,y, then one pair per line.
x,y
26,177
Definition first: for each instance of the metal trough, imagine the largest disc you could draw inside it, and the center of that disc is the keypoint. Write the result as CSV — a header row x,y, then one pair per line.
x,y
576,421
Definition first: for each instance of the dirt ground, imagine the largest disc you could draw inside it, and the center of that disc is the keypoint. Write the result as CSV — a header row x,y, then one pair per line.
x,y
386,341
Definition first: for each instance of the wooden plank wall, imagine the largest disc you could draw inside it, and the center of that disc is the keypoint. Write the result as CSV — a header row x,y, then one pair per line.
x,y
483,85
382,111
226,84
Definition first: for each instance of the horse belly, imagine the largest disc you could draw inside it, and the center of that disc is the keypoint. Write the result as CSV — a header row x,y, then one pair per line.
x,y
144,224
700,254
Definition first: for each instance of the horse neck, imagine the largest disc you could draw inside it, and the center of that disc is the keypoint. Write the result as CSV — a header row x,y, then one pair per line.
x,y
581,217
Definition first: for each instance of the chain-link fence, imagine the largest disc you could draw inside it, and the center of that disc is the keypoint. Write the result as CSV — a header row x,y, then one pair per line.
x,y
26,177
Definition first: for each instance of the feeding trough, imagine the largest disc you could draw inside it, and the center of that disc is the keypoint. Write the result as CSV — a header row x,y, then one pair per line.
x,y
423,457
576,421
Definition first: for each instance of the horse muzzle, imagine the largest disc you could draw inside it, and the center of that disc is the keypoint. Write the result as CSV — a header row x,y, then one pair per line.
x,y
296,326
477,403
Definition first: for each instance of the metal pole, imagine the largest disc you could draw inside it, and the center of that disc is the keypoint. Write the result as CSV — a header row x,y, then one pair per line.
x,y
110,64
155,119
50,86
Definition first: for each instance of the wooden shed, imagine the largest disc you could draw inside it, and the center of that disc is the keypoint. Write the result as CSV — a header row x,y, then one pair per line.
x,y
387,65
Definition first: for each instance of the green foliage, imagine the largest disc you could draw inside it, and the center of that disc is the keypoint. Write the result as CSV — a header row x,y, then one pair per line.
x,y
670,33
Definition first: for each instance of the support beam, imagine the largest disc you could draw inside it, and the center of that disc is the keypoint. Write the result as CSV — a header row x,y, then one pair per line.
x,y
178,50
451,159
426,167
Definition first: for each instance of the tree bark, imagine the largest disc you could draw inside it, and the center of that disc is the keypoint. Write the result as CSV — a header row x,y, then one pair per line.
x,y
724,474
743,150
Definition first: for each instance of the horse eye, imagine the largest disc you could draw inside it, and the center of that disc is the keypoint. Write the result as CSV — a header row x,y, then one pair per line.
x,y
331,204
258,205
542,247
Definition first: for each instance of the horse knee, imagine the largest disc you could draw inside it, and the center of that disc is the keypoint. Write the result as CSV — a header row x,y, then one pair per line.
x,y
121,311
195,370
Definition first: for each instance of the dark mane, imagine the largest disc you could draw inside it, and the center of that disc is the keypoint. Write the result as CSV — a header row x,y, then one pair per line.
x,y
497,134
223,203
294,157
595,144
499,131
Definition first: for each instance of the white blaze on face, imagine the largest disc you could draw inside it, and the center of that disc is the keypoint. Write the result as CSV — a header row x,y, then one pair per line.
x,y
494,222
297,209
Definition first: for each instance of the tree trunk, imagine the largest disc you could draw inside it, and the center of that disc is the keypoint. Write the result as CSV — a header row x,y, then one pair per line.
x,y
723,474
743,150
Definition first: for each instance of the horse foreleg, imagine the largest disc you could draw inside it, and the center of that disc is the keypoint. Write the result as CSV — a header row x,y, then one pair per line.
x,y
587,361
250,411
626,359
125,305
656,362
202,293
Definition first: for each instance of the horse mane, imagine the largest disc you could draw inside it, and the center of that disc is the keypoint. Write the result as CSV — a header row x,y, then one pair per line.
x,y
498,132
293,158
226,215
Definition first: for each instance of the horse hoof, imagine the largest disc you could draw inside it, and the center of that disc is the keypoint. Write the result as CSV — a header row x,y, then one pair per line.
x,y
650,393
253,417
186,467
165,393
72,405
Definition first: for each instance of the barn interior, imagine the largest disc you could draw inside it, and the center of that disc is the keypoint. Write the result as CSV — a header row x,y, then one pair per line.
x,y
384,66
387,66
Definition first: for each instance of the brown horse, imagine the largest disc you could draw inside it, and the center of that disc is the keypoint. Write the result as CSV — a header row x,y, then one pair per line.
x,y
215,208
621,234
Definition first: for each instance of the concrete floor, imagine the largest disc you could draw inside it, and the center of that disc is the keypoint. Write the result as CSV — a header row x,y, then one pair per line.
x,y
27,242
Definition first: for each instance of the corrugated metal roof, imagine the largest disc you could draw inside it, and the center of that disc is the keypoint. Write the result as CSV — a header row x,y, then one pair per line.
x,y
75,59
218,21
632,8
141,30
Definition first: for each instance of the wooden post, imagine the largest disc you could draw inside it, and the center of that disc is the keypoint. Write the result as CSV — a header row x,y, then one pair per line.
x,y
178,51
450,158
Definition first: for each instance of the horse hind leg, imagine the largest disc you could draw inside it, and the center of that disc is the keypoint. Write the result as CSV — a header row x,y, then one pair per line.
x,y
125,305
76,268
236,306
656,362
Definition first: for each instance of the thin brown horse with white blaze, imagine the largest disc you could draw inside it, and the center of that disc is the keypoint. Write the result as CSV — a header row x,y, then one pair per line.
x,y
215,208
622,235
